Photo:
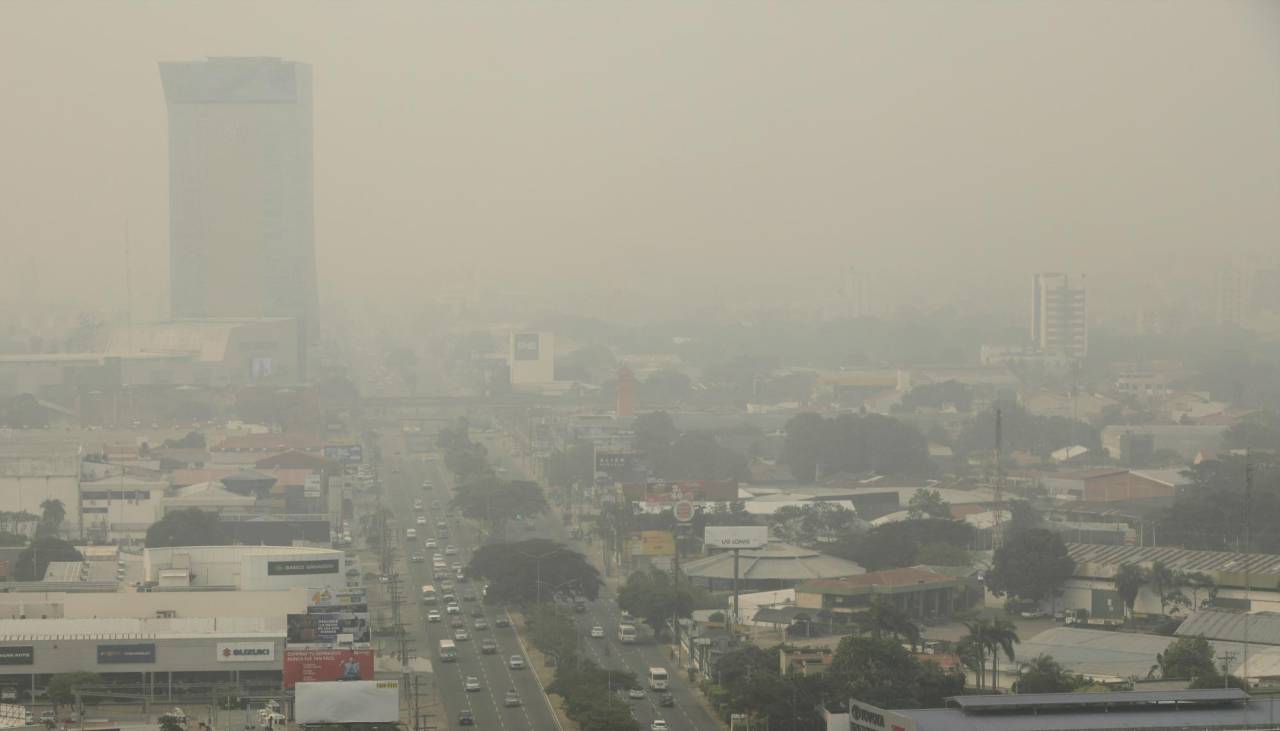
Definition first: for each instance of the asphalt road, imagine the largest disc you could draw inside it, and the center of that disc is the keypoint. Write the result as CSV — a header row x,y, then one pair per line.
x,y
404,478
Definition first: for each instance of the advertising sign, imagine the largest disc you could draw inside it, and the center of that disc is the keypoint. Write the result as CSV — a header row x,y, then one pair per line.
x,y
683,511
143,652
652,543
344,453
357,701
349,600
312,486
866,717
303,567
321,665
17,655
322,629
246,651
613,460
526,346
736,536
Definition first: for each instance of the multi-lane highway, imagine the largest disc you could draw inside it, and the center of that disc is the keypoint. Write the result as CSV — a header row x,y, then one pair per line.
x,y
403,479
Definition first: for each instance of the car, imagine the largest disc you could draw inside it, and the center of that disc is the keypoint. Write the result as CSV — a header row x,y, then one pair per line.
x,y
456,622
488,647
450,599
516,662
666,700
433,616
417,558
502,622
431,543
511,699
446,585
597,632
451,550
437,557
466,718
635,693
417,505
471,684
480,623
421,520
658,725
461,635
453,609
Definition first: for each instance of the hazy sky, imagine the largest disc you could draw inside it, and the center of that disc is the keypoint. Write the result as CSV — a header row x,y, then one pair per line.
x,y
576,144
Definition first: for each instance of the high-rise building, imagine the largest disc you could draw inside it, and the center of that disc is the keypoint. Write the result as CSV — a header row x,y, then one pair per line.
x,y
241,233
1059,316
1233,294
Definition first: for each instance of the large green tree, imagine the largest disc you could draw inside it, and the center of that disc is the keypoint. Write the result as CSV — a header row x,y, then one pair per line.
x,y
853,443
52,514
898,544
537,568
1031,565
1046,675
650,596
1187,658
575,464
190,527
36,557
496,502
61,688
1129,580
881,672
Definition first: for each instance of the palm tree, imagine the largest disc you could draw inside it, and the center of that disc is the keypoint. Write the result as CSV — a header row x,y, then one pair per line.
x,y
1129,580
1001,637
977,639
886,618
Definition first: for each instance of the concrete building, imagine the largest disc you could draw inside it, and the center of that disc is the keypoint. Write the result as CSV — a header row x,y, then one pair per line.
x,y
241,229
32,472
532,358
916,590
130,604
247,568
1059,315
1188,440
1106,484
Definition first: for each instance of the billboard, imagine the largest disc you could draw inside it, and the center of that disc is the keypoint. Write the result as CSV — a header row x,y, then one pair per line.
x,y
652,543
359,701
318,665
17,655
615,460
866,717
736,536
321,629
525,346
303,567
349,600
313,486
344,453
246,651
142,652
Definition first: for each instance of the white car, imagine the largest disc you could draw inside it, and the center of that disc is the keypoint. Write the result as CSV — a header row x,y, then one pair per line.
x,y
461,635
658,725
597,632
431,542
453,609
472,684
421,520
451,550
433,616
635,693
516,662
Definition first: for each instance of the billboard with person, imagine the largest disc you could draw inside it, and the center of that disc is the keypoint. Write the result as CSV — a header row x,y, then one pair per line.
x,y
326,665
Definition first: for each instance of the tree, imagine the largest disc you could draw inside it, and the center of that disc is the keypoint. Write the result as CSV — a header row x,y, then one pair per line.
x,y
171,723
1045,675
1167,584
1198,581
881,672
804,446
928,504
190,527
977,642
575,464
533,569
1031,565
811,523
1129,580
651,597
192,440
52,515
36,557
61,688
495,501
942,554
853,443
1026,432
655,431
898,544
939,396
1187,658
884,618
1001,637
1259,431
698,456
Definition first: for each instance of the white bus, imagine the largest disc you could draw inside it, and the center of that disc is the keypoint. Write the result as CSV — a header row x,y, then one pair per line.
x,y
428,594
448,651
626,633
657,679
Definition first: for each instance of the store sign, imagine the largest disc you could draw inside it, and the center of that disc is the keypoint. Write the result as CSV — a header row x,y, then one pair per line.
x,y
866,717
652,543
312,486
526,346
302,568
246,651
344,453
144,652
17,655
323,629
326,665
349,600
736,536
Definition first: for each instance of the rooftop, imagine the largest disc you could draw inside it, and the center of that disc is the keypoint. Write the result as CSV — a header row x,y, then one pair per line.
x,y
778,561
1176,558
889,579
16,630
1263,628
1126,711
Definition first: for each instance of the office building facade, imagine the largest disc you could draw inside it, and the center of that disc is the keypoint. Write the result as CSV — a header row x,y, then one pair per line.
x,y
1059,316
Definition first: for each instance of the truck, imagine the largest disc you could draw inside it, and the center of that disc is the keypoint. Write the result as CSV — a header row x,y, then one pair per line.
x,y
627,633
657,679
448,651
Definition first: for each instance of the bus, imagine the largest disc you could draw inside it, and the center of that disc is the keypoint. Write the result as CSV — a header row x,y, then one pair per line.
x,y
428,594
657,679
448,651
626,633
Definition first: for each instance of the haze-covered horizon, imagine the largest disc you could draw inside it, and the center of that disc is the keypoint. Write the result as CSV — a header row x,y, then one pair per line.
x,y
707,152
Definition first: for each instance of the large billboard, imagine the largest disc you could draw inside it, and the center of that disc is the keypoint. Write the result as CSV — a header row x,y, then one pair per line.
x,y
525,346
301,567
344,453
349,600
18,655
360,701
325,665
140,652
246,651
652,543
736,536
323,629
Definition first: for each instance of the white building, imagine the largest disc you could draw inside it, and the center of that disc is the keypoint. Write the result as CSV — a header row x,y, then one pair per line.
x,y
1059,315
247,568
532,358
32,472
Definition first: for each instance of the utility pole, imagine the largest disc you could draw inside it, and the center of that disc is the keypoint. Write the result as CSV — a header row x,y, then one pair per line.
x,y
997,531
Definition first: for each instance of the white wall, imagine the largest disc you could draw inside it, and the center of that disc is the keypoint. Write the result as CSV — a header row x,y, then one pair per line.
x,y
245,567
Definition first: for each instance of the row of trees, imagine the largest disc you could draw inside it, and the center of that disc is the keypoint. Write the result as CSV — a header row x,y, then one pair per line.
x,y
1026,432
466,459
853,443
533,570
1226,496
589,691
1169,585
675,455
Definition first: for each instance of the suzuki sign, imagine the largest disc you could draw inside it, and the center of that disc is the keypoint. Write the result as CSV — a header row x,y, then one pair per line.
x,y
246,651
736,536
